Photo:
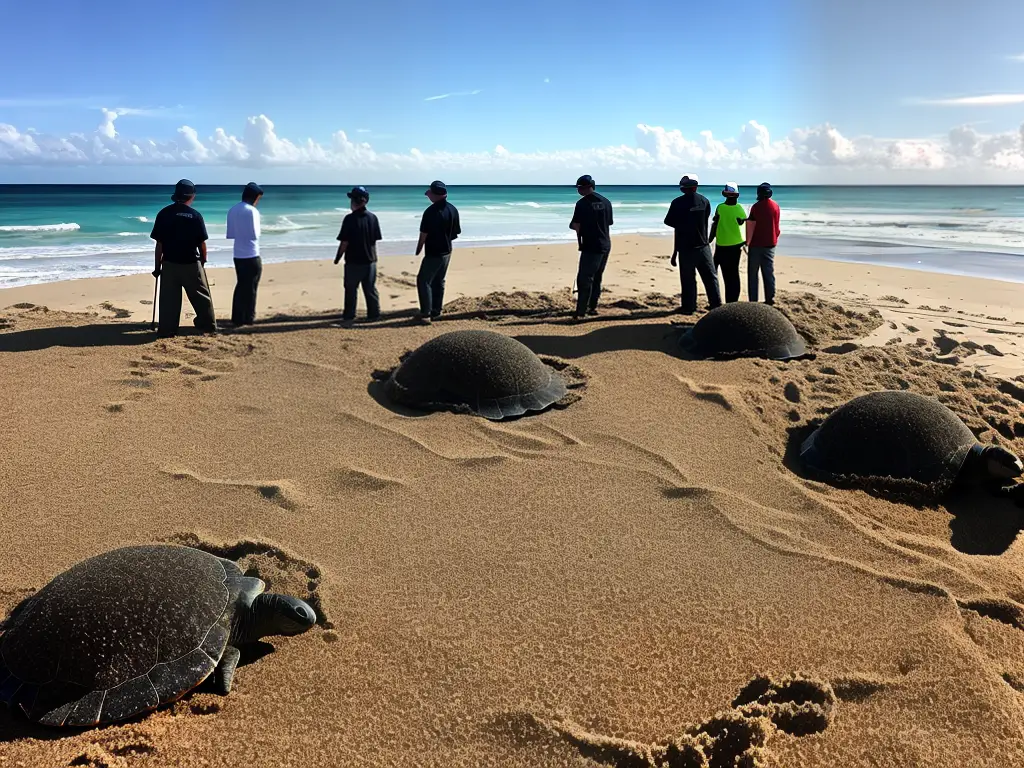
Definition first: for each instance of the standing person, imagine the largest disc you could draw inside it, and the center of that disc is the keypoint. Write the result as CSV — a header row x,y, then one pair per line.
x,y
591,220
688,215
762,237
180,235
438,228
244,229
729,239
357,242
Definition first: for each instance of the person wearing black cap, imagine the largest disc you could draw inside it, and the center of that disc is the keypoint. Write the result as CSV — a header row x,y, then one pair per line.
x,y
244,229
180,234
591,220
762,237
688,215
438,228
357,242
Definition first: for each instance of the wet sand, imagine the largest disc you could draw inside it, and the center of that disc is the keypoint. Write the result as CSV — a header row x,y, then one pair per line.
x,y
640,578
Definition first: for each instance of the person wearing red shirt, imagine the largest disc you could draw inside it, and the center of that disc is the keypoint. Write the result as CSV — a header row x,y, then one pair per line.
x,y
762,237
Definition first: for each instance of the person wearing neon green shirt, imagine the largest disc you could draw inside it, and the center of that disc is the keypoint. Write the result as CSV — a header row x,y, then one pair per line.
x,y
727,232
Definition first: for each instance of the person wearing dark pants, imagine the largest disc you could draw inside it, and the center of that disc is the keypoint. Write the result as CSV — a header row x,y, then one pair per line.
x,y
727,232
180,235
762,237
688,215
693,262
244,229
357,243
438,228
243,303
591,220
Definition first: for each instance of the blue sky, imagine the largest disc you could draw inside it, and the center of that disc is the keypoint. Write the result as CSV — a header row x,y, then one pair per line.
x,y
553,84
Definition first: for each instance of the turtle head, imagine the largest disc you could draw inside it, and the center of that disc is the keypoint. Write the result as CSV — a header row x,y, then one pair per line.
x,y
1001,464
275,614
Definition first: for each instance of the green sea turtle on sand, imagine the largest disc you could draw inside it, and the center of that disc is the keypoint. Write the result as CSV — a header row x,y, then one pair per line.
x,y
902,439
128,630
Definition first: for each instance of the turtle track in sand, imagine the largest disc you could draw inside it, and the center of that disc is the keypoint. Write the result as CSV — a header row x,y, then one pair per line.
x,y
738,736
282,493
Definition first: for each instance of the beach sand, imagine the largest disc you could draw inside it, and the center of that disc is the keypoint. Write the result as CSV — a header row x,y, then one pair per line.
x,y
639,578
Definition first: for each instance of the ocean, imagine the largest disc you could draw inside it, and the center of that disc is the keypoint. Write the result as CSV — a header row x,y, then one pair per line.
x,y
52,233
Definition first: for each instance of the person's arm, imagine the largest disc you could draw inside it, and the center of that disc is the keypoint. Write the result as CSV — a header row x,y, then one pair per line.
x,y
421,243
158,255
343,238
256,224
456,227
751,226
202,252
575,224
203,237
424,231
342,247
714,228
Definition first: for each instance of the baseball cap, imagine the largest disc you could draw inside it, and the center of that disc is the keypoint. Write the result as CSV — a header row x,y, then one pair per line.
x,y
253,187
438,188
732,189
690,180
764,189
359,193
183,190
585,181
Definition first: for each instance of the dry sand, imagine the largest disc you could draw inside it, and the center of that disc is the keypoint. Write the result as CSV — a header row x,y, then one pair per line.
x,y
638,579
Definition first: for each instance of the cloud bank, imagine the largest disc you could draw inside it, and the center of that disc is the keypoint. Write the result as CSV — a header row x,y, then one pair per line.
x,y
655,152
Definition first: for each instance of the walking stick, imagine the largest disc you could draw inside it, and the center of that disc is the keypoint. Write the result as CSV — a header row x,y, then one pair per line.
x,y
156,286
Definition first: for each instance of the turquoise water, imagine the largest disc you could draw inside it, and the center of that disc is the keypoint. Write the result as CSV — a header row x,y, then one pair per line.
x,y
61,232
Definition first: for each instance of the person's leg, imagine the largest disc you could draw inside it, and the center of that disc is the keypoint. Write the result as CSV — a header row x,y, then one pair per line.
x,y
353,275
257,273
595,289
424,282
370,292
768,271
753,269
193,280
705,264
687,281
437,286
238,298
730,262
589,262
170,299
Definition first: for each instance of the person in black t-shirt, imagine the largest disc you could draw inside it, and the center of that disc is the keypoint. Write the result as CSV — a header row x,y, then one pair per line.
x,y
180,234
688,216
438,228
591,220
358,238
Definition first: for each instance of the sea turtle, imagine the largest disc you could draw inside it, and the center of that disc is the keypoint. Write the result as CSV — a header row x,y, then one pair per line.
x,y
744,329
483,372
126,631
903,440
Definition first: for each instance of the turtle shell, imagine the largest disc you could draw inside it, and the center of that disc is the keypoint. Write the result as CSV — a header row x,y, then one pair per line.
x,y
120,633
889,438
744,329
483,372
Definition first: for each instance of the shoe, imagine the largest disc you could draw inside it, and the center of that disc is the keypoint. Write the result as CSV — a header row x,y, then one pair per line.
x,y
592,312
373,318
685,311
770,303
425,320
435,315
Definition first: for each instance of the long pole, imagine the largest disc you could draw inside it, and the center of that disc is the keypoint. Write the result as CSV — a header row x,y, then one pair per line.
x,y
156,287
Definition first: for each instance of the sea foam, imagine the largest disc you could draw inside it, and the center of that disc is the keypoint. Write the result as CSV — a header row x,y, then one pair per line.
x,y
42,228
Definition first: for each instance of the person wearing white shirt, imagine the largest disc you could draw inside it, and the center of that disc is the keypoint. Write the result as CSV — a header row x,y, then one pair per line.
x,y
244,229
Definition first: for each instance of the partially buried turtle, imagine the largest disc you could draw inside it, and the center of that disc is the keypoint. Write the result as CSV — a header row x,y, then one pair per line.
x,y
126,631
895,440
744,329
483,372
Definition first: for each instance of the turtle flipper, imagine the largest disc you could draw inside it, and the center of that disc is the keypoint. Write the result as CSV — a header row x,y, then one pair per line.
x,y
225,673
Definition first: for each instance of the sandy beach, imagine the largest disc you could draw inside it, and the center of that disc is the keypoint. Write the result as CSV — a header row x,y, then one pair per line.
x,y
638,578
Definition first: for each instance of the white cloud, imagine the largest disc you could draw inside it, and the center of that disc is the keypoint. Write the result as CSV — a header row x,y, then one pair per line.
x,y
450,95
990,100
1016,57
656,152
547,79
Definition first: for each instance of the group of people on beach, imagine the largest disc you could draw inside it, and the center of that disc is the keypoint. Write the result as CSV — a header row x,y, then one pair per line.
x,y
180,254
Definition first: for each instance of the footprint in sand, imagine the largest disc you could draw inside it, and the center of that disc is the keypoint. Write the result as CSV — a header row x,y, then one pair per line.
x,y
283,493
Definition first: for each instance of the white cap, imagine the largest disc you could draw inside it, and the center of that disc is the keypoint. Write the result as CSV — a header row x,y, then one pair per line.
x,y
731,188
